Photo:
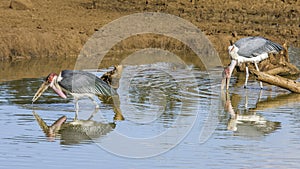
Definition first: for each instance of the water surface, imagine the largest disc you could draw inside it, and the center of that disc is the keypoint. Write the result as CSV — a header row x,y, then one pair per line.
x,y
263,134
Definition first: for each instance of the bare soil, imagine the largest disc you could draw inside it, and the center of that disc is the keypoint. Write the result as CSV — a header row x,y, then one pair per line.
x,y
59,28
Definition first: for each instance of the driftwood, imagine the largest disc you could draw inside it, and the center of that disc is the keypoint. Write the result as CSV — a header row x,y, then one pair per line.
x,y
112,77
282,82
278,70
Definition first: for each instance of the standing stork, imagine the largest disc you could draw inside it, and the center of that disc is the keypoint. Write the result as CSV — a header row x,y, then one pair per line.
x,y
77,83
248,49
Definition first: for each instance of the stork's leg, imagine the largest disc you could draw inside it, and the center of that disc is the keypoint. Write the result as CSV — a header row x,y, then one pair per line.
x,y
76,108
259,96
260,83
92,115
246,100
247,75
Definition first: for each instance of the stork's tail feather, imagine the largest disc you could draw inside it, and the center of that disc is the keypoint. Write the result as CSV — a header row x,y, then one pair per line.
x,y
272,46
104,89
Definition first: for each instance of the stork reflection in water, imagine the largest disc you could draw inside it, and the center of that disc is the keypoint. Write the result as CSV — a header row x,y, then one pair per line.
x,y
246,122
74,132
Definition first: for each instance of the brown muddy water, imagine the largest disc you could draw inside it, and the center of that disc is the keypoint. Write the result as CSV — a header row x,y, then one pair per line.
x,y
173,119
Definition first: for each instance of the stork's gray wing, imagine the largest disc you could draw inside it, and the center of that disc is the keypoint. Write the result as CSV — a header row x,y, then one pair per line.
x,y
254,46
84,82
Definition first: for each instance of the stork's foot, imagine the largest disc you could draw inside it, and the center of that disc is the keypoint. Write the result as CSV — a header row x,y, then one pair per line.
x,y
245,87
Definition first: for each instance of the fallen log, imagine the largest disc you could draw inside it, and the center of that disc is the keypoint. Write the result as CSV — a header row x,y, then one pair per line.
x,y
279,81
278,70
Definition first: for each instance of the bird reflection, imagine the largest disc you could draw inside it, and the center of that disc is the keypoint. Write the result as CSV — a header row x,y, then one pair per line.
x,y
246,123
76,131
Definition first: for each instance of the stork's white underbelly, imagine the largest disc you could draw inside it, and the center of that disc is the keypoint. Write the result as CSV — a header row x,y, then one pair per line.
x,y
242,59
80,95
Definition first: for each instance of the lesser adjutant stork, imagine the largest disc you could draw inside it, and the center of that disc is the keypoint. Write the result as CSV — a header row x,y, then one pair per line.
x,y
77,83
248,49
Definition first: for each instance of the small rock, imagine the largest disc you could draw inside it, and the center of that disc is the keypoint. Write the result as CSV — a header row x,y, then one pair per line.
x,y
21,4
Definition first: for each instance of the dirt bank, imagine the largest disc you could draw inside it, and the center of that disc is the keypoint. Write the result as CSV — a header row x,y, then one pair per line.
x,y
59,28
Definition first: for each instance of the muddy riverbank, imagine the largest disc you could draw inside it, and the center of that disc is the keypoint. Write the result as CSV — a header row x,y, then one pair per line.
x,y
60,28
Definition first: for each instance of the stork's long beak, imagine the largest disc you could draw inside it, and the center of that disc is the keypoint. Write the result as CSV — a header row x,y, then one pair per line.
x,y
41,90
227,75
225,82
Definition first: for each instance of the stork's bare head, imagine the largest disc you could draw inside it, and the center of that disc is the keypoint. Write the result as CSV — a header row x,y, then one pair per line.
x,y
49,81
